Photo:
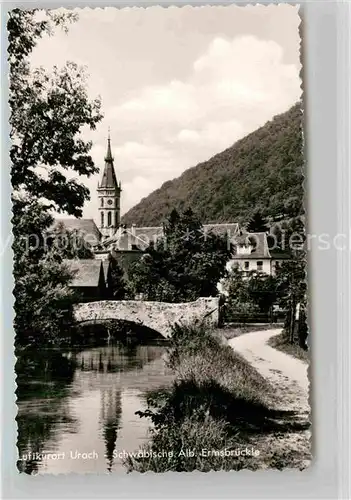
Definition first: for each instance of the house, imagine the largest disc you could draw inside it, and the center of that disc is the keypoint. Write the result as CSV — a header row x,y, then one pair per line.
x,y
89,279
256,252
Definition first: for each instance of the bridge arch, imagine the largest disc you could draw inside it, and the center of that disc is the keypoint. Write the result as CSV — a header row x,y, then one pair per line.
x,y
157,316
120,328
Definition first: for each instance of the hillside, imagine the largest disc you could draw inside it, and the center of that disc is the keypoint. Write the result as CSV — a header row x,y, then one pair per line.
x,y
263,171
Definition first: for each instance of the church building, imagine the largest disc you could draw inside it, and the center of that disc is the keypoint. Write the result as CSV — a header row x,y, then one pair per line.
x,y
109,238
109,197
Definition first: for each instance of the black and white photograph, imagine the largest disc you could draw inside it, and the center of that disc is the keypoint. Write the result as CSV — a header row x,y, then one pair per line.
x,y
160,270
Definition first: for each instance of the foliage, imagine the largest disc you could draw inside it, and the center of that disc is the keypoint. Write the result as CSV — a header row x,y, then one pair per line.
x,y
247,296
291,281
183,446
257,224
117,283
182,266
262,289
282,343
261,172
238,300
43,304
289,235
216,402
47,114
70,244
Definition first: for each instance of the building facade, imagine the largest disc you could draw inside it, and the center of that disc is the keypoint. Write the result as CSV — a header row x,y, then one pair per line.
x,y
254,253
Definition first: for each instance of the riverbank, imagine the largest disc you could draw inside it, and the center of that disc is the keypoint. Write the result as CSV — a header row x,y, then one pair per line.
x,y
213,413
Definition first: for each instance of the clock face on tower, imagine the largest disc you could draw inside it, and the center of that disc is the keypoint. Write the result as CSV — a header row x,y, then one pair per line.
x,y
109,202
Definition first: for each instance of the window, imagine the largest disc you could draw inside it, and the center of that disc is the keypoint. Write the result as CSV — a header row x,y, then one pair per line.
x,y
109,219
259,265
116,219
102,219
246,265
102,202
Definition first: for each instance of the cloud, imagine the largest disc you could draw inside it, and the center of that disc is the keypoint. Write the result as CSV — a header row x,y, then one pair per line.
x,y
166,117
234,87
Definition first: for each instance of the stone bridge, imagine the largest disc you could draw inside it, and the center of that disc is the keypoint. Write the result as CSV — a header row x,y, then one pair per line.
x,y
159,316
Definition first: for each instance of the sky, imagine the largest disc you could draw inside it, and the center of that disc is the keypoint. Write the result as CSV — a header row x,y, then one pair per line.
x,y
177,85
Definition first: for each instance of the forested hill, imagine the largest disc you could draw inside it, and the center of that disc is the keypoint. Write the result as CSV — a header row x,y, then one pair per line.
x,y
263,171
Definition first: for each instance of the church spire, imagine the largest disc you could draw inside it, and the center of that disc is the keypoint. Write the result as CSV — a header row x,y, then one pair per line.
x,y
109,157
109,179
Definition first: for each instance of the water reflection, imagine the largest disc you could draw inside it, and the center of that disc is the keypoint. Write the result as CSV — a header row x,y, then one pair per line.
x,y
110,416
81,421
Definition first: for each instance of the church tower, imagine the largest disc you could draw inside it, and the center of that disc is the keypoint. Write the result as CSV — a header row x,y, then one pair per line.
x,y
109,195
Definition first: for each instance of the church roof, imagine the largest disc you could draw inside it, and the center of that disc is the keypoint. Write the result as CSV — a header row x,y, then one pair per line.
x,y
109,179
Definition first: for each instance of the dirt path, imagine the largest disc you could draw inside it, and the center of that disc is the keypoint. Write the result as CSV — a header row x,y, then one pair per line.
x,y
289,379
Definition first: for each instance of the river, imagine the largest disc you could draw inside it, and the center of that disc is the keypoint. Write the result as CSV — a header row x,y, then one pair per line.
x,y
76,413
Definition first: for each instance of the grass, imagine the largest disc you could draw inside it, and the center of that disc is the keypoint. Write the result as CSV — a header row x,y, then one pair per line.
x,y
196,444
218,402
281,342
229,331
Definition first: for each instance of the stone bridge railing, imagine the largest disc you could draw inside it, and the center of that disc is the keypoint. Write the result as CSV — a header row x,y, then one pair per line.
x,y
159,316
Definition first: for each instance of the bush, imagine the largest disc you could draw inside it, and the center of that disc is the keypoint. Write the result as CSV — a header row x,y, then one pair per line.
x,y
215,402
186,448
234,308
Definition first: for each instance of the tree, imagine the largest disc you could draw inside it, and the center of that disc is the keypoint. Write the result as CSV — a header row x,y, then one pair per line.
x,y
262,289
263,171
70,244
43,304
289,236
117,283
291,279
48,112
238,300
257,224
184,265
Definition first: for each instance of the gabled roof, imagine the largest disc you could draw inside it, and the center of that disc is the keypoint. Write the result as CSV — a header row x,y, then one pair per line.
x,y
87,272
257,244
86,227
258,247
